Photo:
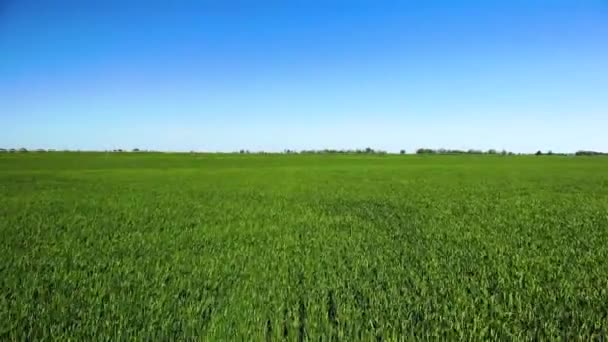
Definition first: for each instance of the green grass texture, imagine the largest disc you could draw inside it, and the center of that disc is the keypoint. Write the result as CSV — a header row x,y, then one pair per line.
x,y
220,247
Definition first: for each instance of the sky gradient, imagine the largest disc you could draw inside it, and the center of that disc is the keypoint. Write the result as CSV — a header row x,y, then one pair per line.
x,y
272,75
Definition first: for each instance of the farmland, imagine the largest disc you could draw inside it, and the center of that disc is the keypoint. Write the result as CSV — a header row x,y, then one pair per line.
x,y
297,247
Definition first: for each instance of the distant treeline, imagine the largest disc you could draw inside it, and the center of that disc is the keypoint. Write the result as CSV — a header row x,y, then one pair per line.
x,y
471,151
504,152
23,150
367,150
590,153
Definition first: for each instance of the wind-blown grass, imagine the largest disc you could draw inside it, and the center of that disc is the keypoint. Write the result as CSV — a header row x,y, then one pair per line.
x,y
231,247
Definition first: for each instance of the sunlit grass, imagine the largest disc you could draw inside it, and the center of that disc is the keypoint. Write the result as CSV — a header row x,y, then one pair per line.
x,y
231,247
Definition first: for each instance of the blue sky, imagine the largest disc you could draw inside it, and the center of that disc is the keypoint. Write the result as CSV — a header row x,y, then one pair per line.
x,y
270,75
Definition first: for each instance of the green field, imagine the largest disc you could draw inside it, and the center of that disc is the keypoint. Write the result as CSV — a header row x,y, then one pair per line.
x,y
297,247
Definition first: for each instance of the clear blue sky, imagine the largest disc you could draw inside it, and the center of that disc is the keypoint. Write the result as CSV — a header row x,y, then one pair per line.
x,y
268,75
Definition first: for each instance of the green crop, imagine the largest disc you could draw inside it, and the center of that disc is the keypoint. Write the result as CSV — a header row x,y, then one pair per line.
x,y
302,247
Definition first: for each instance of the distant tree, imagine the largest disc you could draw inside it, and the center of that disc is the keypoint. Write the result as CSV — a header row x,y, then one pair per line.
x,y
40,150
503,152
12,150
242,151
402,152
135,150
2,150
23,150
369,150
539,153
491,151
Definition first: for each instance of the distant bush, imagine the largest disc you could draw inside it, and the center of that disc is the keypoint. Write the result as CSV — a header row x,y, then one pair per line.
x,y
3,150
539,153
136,150
23,150
402,152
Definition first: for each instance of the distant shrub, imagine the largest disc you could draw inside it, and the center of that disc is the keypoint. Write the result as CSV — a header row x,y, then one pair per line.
x,y
539,153
402,152
136,150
